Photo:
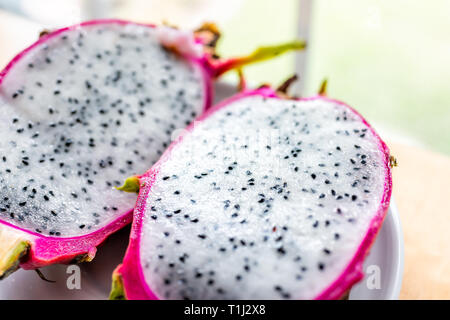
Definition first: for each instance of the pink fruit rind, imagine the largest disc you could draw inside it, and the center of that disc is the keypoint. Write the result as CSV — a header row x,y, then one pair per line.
x,y
206,68
354,270
135,287
46,250
130,270
50,250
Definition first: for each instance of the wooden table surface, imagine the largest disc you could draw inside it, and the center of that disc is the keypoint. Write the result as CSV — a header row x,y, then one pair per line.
x,y
421,190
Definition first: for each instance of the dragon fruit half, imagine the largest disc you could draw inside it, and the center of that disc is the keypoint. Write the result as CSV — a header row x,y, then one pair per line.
x,y
82,108
264,197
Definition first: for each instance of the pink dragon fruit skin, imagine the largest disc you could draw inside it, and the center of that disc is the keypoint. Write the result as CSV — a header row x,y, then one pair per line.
x,y
129,281
29,249
45,250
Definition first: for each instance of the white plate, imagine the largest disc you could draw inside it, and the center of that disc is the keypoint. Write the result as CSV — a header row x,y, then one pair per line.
x,y
386,255
383,266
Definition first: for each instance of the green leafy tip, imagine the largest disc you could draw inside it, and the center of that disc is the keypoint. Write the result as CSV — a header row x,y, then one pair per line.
x,y
10,257
260,54
269,52
117,290
132,185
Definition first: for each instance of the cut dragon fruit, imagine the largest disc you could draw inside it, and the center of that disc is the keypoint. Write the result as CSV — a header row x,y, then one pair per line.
x,y
263,198
80,109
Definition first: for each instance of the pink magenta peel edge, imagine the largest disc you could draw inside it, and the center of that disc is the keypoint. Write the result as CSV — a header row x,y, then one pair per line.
x,y
41,243
49,250
351,274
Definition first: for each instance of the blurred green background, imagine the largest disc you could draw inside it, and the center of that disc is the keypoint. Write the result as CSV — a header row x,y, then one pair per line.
x,y
388,59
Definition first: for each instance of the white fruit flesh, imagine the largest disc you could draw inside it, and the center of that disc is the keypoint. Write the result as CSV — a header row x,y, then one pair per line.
x,y
79,113
264,199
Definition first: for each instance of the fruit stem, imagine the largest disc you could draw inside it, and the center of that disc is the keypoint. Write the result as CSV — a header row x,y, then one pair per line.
x,y
210,35
392,161
117,291
323,88
242,85
41,275
13,248
260,54
284,87
131,184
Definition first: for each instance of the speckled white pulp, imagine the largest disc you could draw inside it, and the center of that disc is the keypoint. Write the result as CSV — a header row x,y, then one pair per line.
x,y
80,113
265,199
